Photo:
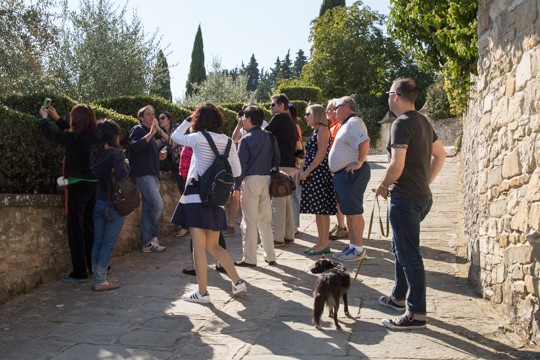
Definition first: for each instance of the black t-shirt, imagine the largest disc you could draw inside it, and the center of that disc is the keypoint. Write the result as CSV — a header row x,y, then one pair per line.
x,y
412,131
284,130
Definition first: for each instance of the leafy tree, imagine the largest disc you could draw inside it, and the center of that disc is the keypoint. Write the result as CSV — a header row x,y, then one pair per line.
x,y
197,71
102,55
161,78
438,106
443,36
352,56
220,87
329,4
28,40
299,63
252,72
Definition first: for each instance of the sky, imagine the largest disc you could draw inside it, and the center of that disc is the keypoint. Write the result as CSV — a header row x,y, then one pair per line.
x,y
232,30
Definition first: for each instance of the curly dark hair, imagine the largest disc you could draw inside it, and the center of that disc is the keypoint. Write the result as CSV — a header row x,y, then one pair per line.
x,y
207,117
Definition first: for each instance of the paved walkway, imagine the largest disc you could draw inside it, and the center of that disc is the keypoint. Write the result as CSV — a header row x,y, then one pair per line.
x,y
146,319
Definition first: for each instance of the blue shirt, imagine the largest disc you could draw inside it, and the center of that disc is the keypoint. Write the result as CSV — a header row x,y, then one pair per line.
x,y
258,154
143,155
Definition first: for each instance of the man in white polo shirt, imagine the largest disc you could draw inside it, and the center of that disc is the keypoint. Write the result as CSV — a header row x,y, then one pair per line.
x,y
347,160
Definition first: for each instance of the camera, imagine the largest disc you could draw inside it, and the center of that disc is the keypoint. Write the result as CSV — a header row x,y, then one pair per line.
x,y
46,103
240,114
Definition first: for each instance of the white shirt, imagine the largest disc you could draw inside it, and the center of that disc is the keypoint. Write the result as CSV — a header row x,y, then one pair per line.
x,y
344,150
203,156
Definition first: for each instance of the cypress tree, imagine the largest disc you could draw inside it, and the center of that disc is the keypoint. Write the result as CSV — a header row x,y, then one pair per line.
x,y
329,4
252,71
299,63
161,78
197,71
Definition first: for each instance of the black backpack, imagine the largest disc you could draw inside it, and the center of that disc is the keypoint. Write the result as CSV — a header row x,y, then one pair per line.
x,y
216,183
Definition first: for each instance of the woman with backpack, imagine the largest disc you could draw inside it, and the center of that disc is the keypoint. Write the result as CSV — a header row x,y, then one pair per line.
x,y
106,161
205,221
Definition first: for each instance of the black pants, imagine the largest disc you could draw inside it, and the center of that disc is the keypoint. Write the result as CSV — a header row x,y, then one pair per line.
x,y
80,224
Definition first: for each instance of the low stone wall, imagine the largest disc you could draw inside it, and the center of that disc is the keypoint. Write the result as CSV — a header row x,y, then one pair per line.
x,y
33,235
501,163
448,130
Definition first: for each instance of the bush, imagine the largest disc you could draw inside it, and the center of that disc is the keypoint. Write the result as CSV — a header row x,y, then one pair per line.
x,y
306,93
29,163
438,106
129,105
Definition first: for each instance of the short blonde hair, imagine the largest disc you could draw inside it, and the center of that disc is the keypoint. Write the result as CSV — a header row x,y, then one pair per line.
x,y
318,113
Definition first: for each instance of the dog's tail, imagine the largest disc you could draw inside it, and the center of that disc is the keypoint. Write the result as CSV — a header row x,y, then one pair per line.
x,y
318,307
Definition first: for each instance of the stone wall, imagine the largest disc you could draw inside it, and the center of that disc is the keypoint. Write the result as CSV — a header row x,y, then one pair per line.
x,y
501,158
448,130
34,242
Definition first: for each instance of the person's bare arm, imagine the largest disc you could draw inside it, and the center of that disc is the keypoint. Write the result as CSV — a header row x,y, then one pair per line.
x,y
438,156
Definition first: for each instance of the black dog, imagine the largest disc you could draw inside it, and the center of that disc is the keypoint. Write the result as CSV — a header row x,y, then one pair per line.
x,y
333,283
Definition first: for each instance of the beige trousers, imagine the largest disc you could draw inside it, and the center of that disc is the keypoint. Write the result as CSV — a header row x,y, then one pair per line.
x,y
283,213
256,218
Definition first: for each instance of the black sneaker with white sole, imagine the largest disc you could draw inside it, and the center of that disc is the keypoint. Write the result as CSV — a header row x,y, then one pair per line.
x,y
389,302
407,321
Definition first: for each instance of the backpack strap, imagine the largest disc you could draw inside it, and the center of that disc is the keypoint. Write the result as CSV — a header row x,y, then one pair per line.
x,y
213,145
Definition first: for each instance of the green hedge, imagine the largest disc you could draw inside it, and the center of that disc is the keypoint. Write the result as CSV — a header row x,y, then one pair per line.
x,y
29,163
306,93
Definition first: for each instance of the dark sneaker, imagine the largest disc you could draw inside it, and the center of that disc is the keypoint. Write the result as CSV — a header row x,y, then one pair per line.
x,y
404,322
279,243
389,302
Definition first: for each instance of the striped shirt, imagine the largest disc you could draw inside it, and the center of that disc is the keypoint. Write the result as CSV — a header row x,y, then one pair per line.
x,y
344,151
203,156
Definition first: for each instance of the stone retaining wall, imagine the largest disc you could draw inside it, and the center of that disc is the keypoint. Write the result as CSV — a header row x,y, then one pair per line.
x,y
34,238
448,130
501,158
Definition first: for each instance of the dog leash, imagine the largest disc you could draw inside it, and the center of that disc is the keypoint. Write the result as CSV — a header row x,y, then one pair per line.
x,y
384,234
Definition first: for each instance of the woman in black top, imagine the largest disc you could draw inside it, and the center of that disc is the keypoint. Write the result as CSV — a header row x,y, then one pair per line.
x,y
78,136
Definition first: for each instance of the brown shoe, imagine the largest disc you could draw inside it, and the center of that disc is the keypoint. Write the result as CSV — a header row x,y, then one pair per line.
x,y
104,286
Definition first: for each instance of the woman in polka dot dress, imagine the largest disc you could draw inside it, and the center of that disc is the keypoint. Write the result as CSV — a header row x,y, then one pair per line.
x,y
318,194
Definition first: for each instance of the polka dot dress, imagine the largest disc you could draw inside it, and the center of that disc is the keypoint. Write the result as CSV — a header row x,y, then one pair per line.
x,y
318,194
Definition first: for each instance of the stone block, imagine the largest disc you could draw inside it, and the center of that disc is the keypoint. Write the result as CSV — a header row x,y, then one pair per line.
x,y
520,219
503,240
516,272
494,177
523,72
529,285
518,254
511,165
510,86
519,288
497,208
534,216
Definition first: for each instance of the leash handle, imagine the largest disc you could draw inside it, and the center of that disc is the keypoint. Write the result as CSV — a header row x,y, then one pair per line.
x,y
384,234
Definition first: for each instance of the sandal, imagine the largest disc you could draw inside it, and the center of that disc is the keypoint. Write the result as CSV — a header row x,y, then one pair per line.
x,y
189,271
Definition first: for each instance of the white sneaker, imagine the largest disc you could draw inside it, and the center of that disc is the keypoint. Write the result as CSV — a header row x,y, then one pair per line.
x,y
340,254
153,246
196,297
239,287
353,254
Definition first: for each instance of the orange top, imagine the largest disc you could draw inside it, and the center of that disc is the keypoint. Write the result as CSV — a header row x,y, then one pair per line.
x,y
334,127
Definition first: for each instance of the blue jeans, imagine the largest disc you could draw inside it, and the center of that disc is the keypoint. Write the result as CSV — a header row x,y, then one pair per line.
x,y
105,237
405,217
152,208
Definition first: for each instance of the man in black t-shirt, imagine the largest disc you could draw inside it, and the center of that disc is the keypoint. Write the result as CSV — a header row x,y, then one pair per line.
x,y
284,130
416,157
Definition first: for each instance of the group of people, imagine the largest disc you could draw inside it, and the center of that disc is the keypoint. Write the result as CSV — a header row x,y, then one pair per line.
x,y
333,177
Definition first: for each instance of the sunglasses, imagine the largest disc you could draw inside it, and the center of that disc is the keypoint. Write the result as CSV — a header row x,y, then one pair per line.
x,y
272,104
163,117
393,92
337,107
